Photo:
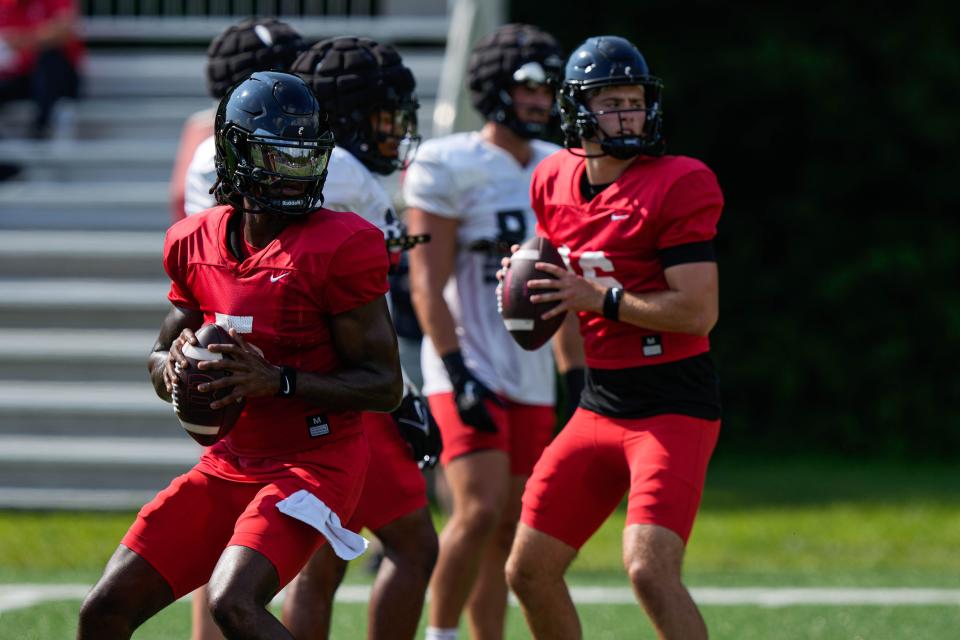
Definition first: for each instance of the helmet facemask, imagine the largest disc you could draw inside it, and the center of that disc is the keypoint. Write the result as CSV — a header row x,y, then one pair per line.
x,y
532,76
390,137
580,123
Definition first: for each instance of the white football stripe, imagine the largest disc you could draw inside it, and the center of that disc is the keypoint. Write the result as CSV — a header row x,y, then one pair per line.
x,y
202,429
518,324
199,353
526,254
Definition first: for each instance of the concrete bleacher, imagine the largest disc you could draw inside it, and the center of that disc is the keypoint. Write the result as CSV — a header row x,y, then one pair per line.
x,y
82,290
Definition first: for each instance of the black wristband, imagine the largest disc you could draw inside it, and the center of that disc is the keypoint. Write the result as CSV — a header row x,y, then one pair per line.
x,y
288,382
611,303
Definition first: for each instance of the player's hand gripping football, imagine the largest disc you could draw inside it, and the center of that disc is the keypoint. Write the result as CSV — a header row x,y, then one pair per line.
x,y
252,376
470,394
175,358
419,429
574,292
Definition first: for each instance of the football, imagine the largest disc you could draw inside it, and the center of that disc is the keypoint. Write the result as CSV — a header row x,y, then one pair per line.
x,y
203,424
520,316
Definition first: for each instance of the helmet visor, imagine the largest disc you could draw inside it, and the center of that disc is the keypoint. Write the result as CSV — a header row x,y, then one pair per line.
x,y
304,160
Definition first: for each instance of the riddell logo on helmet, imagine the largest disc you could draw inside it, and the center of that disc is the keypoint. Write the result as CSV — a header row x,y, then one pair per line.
x,y
300,133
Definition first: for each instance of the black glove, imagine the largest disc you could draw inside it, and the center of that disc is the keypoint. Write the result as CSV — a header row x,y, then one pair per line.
x,y
469,394
419,429
573,382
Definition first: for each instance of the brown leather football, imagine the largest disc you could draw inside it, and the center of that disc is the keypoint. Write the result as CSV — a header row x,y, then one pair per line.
x,y
520,316
203,424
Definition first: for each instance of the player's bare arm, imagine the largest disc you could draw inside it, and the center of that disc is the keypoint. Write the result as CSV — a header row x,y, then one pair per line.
x,y
689,305
369,377
431,265
568,345
177,329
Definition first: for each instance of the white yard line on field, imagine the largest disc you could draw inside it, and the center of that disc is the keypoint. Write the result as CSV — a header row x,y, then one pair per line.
x,y
18,596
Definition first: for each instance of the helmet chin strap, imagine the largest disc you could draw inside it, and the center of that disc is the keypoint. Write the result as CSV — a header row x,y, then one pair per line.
x,y
611,146
584,154
614,147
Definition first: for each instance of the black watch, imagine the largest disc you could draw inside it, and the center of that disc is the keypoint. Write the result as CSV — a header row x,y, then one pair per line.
x,y
288,382
611,303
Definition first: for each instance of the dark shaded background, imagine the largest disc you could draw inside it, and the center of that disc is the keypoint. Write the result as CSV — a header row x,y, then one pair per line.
x,y
834,134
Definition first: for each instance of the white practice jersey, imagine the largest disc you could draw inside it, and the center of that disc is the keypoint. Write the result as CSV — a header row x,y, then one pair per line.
x,y
483,187
350,186
201,174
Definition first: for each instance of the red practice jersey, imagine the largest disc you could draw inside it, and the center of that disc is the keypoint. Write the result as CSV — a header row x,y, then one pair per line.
x,y
281,299
618,238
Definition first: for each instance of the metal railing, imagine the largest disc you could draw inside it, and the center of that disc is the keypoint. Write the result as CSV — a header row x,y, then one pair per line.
x,y
226,8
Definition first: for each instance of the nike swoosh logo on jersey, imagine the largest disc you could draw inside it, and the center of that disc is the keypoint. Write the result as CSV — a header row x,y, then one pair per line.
x,y
614,216
279,277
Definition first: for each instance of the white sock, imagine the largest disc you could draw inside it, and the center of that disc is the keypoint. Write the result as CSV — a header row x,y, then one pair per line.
x,y
433,633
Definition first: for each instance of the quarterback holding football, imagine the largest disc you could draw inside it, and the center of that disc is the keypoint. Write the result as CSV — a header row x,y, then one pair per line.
x,y
635,228
302,291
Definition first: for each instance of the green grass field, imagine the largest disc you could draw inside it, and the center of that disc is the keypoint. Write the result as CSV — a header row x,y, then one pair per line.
x,y
771,524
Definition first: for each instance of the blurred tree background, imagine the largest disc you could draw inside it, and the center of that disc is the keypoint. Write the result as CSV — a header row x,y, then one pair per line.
x,y
834,132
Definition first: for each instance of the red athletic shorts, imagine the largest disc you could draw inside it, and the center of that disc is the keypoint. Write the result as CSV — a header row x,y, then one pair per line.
x,y
523,431
584,473
183,531
394,485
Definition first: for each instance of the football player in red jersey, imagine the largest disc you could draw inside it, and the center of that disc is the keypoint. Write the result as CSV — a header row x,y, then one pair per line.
x,y
373,87
635,228
302,290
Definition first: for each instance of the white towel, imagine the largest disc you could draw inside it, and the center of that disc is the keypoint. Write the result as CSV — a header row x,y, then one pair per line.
x,y
306,507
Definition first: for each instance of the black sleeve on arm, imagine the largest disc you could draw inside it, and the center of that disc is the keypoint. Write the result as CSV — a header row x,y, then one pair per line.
x,y
690,252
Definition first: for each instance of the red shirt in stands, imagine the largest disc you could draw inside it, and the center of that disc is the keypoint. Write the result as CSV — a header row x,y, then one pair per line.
x,y
26,16
281,298
618,238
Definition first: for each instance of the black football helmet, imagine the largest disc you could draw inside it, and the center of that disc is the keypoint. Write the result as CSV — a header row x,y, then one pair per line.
x,y
255,44
357,80
272,146
607,61
513,54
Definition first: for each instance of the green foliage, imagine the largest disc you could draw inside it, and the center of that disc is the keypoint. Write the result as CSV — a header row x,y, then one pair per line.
x,y
834,140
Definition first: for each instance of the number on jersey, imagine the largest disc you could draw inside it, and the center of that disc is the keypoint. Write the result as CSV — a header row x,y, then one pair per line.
x,y
591,263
